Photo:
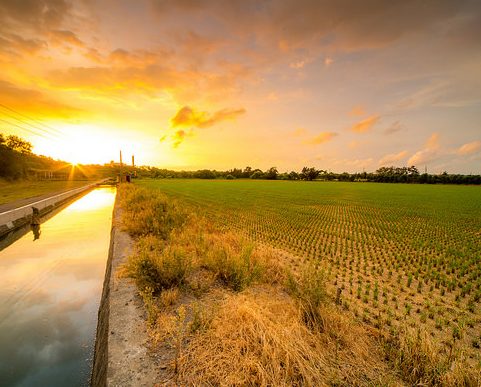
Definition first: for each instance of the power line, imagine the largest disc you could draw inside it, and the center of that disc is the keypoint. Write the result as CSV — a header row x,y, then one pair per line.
x,y
25,122
28,130
29,118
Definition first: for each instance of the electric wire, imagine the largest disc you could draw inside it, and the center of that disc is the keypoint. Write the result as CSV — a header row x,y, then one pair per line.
x,y
25,122
32,119
28,130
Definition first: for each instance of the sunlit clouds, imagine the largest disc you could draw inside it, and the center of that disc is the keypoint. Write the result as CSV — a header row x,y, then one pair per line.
x,y
223,84
319,139
364,126
188,117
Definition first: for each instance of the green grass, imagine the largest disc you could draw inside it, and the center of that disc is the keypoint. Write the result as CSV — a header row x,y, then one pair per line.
x,y
421,243
13,191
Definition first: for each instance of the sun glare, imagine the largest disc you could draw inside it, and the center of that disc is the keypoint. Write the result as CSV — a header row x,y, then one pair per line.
x,y
84,144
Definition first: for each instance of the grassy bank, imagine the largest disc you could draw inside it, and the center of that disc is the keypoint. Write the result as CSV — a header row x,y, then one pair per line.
x,y
226,311
18,190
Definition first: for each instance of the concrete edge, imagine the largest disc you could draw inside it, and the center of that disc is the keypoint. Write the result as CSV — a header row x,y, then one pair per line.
x,y
122,356
13,219
101,352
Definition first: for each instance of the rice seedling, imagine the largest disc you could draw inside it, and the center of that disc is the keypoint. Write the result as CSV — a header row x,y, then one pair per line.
x,y
360,237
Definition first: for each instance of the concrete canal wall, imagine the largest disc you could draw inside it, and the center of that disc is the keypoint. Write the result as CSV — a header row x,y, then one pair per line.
x,y
10,220
122,356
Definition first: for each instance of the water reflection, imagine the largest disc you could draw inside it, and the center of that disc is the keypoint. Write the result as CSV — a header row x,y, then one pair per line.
x,y
49,295
36,231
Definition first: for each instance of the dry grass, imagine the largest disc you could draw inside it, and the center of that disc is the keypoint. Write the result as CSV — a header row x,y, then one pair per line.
x,y
258,338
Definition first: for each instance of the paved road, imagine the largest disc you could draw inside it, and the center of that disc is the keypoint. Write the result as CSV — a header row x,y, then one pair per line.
x,y
23,202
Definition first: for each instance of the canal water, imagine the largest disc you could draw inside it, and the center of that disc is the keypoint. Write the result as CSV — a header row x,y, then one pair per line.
x,y
50,288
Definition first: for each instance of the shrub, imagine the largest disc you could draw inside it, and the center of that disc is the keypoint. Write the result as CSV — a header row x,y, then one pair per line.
x,y
233,260
149,212
155,268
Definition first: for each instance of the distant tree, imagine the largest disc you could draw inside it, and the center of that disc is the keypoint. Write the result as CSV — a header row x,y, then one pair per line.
x,y
271,173
247,172
230,177
413,170
293,175
18,144
309,173
204,174
2,139
257,174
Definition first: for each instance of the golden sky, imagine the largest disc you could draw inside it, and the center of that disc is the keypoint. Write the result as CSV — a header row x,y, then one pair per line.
x,y
343,85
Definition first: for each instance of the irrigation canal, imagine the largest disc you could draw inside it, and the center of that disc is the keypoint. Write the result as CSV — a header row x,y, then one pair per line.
x,y
50,287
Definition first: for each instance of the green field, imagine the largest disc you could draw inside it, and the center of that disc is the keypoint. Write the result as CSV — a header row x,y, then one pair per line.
x,y
404,255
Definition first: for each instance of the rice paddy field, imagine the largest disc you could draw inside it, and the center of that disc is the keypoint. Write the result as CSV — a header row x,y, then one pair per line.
x,y
404,256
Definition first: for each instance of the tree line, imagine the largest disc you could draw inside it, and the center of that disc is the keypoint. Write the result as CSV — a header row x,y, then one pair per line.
x,y
390,174
18,162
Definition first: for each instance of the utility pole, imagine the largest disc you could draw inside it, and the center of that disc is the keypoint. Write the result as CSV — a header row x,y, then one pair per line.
x,y
133,164
120,178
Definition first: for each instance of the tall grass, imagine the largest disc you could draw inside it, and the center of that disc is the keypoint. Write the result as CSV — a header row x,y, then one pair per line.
x,y
148,212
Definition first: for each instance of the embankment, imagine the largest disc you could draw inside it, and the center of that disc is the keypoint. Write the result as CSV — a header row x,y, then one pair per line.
x,y
121,349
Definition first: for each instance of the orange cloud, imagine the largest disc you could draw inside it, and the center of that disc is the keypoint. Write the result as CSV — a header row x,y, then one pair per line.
x,y
300,132
355,144
61,37
358,111
365,125
432,151
320,138
433,142
188,117
393,128
178,137
469,148
393,158
34,102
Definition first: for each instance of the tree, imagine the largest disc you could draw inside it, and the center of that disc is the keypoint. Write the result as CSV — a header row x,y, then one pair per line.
x,y
293,175
18,144
309,173
257,174
2,139
247,172
271,173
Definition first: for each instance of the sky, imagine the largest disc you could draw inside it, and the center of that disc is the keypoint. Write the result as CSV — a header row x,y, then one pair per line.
x,y
340,85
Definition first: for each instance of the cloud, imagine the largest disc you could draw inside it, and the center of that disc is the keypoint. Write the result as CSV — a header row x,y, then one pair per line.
x,y
34,102
320,138
358,111
300,132
328,61
392,159
393,128
364,126
177,137
432,151
62,37
469,148
433,142
288,25
359,163
188,117
356,144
